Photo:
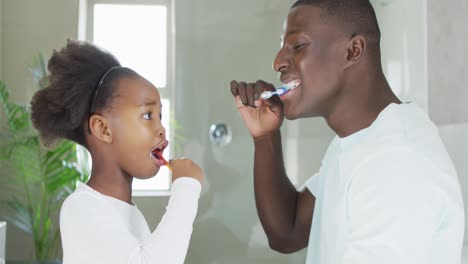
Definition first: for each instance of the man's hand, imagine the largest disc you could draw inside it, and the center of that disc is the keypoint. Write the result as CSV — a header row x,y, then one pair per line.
x,y
261,117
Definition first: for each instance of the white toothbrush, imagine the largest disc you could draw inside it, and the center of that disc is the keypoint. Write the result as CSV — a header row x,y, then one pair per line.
x,y
281,90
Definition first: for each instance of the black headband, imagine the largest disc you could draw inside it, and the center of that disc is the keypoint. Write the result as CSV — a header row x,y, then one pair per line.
x,y
92,103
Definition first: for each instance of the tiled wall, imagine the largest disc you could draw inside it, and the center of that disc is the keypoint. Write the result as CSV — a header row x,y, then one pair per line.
x,y
403,46
448,61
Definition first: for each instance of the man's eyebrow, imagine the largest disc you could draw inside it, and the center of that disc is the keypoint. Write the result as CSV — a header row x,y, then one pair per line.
x,y
290,32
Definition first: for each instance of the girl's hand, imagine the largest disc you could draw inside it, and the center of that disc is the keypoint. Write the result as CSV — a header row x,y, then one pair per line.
x,y
186,168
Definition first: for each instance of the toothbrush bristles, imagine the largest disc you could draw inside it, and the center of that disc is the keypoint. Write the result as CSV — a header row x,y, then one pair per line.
x,y
266,95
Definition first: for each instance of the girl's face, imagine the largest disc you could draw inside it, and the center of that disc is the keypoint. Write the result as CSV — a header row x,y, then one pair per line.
x,y
135,123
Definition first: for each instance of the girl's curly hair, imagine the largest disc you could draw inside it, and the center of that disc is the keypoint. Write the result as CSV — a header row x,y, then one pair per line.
x,y
61,109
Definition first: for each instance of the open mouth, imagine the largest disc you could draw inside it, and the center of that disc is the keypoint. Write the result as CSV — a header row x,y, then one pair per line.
x,y
157,153
289,86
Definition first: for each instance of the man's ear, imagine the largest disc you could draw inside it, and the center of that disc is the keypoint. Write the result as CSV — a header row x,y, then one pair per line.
x,y
355,49
100,128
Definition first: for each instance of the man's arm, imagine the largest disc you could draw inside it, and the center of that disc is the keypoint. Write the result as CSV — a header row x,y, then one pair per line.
x,y
285,213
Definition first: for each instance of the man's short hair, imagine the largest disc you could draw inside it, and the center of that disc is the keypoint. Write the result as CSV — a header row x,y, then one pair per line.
x,y
357,16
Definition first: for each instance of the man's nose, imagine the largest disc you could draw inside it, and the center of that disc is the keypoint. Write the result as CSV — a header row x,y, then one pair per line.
x,y
282,61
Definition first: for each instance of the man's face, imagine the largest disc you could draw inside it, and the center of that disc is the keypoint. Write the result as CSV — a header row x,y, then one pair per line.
x,y
312,52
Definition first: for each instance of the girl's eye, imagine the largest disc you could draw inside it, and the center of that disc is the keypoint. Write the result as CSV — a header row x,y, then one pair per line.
x,y
160,116
147,116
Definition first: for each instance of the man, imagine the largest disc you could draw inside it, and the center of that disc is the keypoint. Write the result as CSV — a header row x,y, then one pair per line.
x,y
387,191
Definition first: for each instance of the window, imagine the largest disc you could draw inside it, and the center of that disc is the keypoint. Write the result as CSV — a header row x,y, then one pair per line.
x,y
137,32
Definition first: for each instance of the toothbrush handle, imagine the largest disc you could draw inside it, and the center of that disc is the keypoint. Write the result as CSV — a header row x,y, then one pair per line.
x,y
168,165
282,90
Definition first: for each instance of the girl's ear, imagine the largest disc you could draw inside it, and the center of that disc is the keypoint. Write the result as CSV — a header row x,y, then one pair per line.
x,y
100,128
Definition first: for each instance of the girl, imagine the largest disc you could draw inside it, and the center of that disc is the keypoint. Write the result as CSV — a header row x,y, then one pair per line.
x,y
116,114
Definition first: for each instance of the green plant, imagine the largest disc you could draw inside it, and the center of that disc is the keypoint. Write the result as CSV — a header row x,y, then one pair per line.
x,y
34,180
178,139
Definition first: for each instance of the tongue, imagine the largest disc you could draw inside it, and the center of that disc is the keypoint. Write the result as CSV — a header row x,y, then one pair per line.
x,y
158,154
157,157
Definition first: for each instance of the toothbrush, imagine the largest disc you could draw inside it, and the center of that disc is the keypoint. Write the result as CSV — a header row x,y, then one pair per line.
x,y
168,165
281,90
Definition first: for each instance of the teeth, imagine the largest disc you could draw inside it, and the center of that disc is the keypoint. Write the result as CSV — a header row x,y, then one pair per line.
x,y
160,148
293,84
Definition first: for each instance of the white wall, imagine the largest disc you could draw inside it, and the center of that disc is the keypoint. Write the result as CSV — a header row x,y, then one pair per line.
x,y
29,28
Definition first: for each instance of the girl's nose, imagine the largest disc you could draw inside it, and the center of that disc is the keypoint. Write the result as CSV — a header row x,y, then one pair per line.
x,y
161,131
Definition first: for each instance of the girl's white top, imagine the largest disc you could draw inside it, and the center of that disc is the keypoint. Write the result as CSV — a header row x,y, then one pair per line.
x,y
96,228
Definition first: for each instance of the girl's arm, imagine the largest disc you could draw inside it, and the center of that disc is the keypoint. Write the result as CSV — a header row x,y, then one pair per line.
x,y
170,241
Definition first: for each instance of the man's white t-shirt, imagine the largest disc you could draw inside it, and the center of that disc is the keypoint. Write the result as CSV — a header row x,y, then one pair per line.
x,y
388,194
96,228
